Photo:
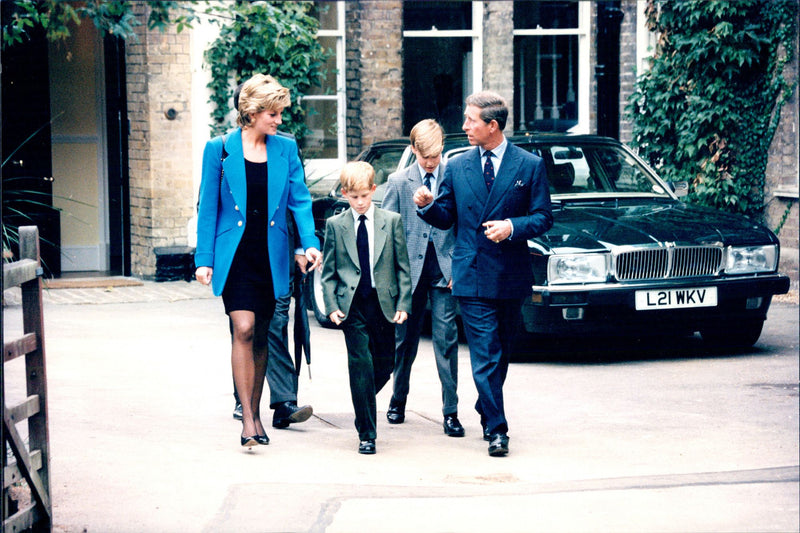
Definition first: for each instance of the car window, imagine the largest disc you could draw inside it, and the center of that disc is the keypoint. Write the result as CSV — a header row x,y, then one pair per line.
x,y
588,169
384,159
614,170
322,186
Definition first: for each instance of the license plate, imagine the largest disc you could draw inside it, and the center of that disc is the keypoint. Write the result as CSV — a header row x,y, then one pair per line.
x,y
676,298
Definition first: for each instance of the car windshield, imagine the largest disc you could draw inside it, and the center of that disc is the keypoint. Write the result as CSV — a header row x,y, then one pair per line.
x,y
592,170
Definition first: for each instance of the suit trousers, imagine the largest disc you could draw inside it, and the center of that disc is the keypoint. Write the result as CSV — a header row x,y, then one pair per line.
x,y
370,357
490,325
444,330
281,374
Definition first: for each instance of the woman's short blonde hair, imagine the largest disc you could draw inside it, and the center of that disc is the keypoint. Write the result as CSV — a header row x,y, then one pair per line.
x,y
357,176
261,93
427,137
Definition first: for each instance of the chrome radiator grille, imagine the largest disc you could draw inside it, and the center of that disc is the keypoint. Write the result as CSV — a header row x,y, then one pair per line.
x,y
667,263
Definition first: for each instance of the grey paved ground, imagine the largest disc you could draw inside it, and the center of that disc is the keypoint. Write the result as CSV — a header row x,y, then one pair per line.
x,y
142,438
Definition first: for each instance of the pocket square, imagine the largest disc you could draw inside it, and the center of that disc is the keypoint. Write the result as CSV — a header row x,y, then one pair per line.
x,y
519,183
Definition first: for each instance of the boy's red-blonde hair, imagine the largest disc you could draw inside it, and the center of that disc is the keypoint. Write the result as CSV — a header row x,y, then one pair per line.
x,y
357,176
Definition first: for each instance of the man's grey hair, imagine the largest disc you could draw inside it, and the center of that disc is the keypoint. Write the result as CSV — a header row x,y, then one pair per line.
x,y
492,106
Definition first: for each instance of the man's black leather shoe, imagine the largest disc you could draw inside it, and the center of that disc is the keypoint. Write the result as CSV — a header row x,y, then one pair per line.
x,y
288,413
487,435
366,447
452,427
396,414
498,445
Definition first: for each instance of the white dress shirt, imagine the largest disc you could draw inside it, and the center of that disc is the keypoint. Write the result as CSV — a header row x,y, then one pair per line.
x,y
498,153
434,179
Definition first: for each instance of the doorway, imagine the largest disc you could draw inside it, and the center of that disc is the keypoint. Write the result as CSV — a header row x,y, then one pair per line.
x,y
65,149
27,168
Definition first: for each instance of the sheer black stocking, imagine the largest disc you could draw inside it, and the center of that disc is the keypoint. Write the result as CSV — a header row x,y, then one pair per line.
x,y
249,362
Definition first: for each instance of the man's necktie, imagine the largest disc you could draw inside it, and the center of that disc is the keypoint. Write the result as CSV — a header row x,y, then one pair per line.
x,y
362,243
426,181
488,170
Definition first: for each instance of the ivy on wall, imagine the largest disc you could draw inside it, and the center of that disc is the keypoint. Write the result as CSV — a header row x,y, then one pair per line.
x,y
707,110
276,38
112,17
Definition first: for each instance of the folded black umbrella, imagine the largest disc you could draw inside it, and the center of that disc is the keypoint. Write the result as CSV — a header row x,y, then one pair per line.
x,y
302,334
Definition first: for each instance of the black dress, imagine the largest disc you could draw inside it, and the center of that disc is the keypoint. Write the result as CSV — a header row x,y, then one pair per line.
x,y
249,283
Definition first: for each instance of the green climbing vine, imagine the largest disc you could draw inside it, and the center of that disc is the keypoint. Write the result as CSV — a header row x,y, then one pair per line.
x,y
57,17
276,38
707,109
785,216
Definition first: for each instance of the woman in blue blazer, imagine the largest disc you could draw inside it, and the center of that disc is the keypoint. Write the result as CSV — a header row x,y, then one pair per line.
x,y
250,178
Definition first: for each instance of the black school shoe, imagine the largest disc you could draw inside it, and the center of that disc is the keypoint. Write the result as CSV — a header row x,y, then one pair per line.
x,y
288,413
366,447
452,427
396,414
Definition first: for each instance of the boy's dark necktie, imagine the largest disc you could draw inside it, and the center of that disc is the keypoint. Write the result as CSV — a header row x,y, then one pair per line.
x,y
426,181
362,243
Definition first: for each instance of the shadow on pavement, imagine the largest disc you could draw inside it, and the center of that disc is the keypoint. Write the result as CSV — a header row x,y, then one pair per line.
x,y
614,350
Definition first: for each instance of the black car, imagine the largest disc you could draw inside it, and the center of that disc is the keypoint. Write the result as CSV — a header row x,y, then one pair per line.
x,y
625,255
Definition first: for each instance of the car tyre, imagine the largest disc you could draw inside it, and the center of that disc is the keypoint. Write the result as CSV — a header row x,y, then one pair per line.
x,y
315,302
722,336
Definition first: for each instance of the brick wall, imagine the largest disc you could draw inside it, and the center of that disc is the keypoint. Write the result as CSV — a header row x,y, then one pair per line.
x,y
161,186
627,67
592,70
373,72
498,53
781,188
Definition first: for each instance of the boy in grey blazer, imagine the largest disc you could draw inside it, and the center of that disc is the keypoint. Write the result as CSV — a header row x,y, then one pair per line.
x,y
366,287
430,253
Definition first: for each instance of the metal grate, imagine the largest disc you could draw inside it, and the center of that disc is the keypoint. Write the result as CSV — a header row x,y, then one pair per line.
x,y
666,263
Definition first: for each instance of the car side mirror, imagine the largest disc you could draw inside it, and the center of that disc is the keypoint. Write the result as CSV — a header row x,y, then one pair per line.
x,y
680,188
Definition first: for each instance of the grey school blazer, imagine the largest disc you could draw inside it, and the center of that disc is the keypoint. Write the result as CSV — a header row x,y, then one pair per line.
x,y
341,271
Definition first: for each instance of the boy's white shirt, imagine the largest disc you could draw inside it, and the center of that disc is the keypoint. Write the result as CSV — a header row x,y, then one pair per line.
x,y
370,214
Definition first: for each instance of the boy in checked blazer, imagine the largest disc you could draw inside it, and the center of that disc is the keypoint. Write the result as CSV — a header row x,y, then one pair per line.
x,y
430,253
366,286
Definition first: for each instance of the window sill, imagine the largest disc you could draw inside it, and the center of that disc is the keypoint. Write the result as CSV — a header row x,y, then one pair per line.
x,y
788,194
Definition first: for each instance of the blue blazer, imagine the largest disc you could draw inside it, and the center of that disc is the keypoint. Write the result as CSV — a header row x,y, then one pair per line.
x,y
221,216
482,268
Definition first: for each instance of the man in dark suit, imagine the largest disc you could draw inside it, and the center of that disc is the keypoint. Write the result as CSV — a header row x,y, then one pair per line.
x,y
430,252
497,197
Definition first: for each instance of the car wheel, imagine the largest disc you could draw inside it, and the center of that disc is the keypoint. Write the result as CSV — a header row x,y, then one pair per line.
x,y
742,335
315,302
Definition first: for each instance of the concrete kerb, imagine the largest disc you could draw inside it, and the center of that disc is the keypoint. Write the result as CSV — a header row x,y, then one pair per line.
x,y
91,293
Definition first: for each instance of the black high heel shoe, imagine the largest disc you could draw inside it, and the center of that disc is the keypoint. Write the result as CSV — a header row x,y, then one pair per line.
x,y
249,442
262,439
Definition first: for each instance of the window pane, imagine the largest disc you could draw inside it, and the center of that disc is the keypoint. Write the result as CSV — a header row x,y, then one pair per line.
x,y
328,74
546,78
423,16
321,142
434,71
545,15
326,13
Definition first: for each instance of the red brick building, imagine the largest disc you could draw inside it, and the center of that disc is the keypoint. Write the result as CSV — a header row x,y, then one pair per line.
x,y
128,120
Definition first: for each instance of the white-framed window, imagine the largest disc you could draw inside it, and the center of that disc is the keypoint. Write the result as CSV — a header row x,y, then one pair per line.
x,y
552,72
325,147
442,58
645,39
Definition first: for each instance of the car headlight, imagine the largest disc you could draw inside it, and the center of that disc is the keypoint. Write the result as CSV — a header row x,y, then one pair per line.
x,y
577,268
749,259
